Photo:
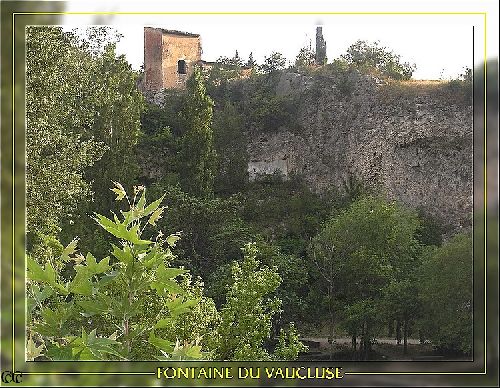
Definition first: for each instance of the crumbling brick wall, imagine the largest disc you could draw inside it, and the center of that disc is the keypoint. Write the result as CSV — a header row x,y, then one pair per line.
x,y
152,59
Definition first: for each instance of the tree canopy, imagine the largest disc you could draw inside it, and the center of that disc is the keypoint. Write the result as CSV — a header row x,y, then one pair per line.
x,y
83,120
370,56
198,154
59,117
446,291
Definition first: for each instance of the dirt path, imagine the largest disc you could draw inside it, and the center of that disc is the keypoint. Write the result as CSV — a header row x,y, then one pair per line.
x,y
323,341
383,349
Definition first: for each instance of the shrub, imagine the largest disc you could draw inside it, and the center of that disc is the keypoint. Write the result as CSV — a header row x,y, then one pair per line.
x,y
134,292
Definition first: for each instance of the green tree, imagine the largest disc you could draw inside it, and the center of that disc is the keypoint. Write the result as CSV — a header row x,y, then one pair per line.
x,y
402,303
198,155
360,318
83,111
220,74
248,313
236,59
160,142
275,61
305,58
251,62
359,251
118,105
59,146
212,229
446,295
230,145
371,57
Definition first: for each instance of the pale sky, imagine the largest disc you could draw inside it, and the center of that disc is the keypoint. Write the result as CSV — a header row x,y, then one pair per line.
x,y
440,45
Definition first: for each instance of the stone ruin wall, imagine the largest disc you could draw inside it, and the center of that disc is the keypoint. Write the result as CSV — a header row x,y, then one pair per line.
x,y
187,48
153,79
162,51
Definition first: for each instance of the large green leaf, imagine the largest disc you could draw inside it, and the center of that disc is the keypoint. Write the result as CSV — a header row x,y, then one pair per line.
x,y
69,250
165,280
96,268
54,321
40,295
82,282
164,273
47,275
37,273
186,352
121,231
163,323
162,344
58,352
92,307
178,306
153,258
155,216
132,235
92,347
141,203
123,254
107,224
153,206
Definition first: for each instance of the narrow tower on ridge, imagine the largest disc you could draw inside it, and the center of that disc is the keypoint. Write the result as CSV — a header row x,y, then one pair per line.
x,y
320,47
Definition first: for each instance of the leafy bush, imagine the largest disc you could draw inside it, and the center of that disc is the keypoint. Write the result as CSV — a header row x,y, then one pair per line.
x,y
305,58
289,346
60,144
134,292
339,72
285,210
461,87
268,111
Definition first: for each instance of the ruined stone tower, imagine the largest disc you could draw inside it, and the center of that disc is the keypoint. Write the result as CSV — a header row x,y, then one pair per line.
x,y
169,57
320,47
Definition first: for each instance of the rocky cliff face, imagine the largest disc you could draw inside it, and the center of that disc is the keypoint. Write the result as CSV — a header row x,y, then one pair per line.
x,y
412,140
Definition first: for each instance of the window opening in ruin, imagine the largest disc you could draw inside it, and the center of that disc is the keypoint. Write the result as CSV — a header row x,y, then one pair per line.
x,y
181,67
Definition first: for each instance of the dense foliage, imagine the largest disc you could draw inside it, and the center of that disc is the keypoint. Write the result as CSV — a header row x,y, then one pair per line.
x,y
446,292
305,58
150,303
198,156
59,141
83,120
248,312
371,57
359,252
133,293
